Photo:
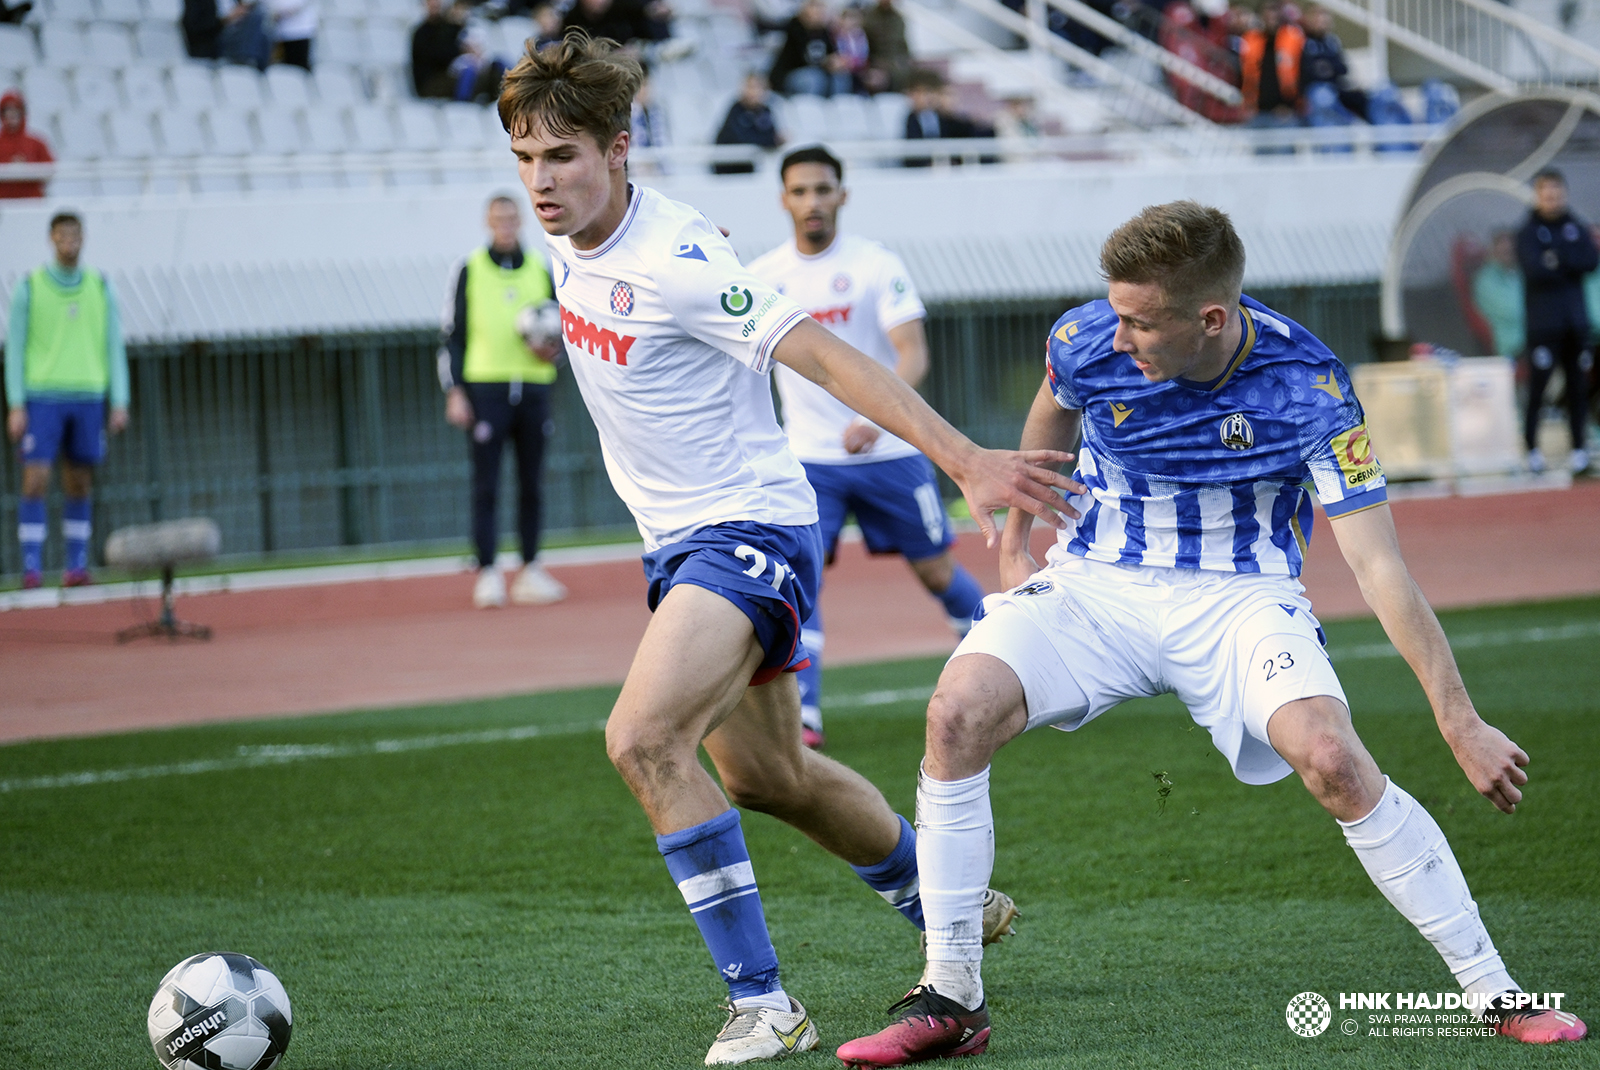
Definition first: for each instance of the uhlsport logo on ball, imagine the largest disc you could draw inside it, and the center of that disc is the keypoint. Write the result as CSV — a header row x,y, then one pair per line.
x,y
219,1011
1308,1014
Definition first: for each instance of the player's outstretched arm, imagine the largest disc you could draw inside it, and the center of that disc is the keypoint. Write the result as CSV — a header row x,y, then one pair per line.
x,y
1049,427
1492,762
990,479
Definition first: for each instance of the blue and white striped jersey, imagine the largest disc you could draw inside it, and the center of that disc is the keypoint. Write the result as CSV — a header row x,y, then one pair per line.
x,y
1211,475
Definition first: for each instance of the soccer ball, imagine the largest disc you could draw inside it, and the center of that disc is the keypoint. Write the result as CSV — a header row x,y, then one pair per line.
x,y
219,1011
540,325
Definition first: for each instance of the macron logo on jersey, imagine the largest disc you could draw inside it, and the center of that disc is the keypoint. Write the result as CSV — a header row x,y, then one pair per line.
x,y
691,252
837,314
597,340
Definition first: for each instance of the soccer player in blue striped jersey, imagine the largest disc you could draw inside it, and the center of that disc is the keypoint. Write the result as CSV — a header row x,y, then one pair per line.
x,y
1207,421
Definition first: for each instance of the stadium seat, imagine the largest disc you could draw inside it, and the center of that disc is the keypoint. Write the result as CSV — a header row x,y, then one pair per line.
x,y
168,11
126,11
96,87
160,42
463,125
372,128
325,130
338,86
109,44
145,87
240,87
514,34
289,86
342,41
419,127
16,48
808,118
83,135
46,90
193,86
71,10
346,9
181,134
132,136
63,45
495,136
388,41
388,84
230,132
280,130
848,118
892,111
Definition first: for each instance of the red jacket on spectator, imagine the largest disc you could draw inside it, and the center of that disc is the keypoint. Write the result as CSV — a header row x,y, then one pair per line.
x,y
1288,44
19,146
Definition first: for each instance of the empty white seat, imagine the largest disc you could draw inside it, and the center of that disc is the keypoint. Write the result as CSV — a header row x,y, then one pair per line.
x,y
164,10
279,129
347,9
892,111
419,127
193,86
463,126
338,86
129,11
494,135
325,131
145,87
514,34
388,84
82,135
341,41
372,129
159,42
848,119
808,118
240,87
389,42
290,86
16,47
95,87
132,136
181,134
46,91
230,132
62,44
73,10
109,43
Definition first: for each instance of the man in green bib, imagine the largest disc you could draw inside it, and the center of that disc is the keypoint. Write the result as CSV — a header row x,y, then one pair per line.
x,y
64,362
498,389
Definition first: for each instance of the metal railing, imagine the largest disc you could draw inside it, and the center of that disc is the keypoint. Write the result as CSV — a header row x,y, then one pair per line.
x,y
317,443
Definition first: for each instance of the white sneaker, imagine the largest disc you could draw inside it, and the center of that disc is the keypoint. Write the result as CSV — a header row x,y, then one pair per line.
x,y
1536,463
536,587
762,1033
1578,462
490,590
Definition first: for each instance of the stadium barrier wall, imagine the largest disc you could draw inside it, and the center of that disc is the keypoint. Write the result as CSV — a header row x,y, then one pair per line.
x,y
321,443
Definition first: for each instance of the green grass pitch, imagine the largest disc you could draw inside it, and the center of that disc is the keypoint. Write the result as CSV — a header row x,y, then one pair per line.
x,y
484,894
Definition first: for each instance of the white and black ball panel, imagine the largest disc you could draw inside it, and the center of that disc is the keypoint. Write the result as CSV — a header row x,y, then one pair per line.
x,y
219,1011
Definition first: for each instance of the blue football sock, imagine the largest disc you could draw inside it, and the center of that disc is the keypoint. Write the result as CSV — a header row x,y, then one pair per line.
x,y
30,533
810,677
895,878
712,868
75,531
961,598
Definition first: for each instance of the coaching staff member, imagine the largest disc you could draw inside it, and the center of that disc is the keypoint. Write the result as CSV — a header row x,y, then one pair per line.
x,y
1556,252
64,362
496,389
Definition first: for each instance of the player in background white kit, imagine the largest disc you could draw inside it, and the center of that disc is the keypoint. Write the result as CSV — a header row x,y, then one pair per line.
x,y
861,292
670,338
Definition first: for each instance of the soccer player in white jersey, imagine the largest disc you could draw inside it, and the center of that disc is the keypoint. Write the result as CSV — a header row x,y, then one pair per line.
x,y
861,292
1205,418
670,338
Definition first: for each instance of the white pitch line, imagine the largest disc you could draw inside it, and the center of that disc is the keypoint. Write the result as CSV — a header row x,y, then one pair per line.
x,y
248,757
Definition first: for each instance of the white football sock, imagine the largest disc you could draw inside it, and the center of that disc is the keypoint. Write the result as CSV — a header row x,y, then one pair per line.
x,y
1405,853
955,856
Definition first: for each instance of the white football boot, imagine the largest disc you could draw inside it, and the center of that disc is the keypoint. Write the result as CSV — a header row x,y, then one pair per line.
x,y
762,1033
490,590
536,587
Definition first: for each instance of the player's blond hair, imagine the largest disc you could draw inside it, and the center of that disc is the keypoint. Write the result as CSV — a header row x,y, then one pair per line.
x,y
581,84
1189,250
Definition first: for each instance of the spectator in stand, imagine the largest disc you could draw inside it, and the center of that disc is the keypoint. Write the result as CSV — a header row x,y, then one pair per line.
x,y
476,73
749,122
247,35
809,61
850,42
931,116
294,26
888,53
649,124
15,14
1591,305
1556,252
19,146
202,29
1184,35
547,27
615,19
1269,67
1497,291
1322,61
1017,119
435,44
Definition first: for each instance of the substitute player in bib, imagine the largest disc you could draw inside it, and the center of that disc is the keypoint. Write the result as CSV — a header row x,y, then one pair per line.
x,y
1206,419
861,292
669,339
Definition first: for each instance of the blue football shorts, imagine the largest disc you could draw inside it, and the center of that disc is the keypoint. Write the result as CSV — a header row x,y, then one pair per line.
x,y
896,503
75,430
771,572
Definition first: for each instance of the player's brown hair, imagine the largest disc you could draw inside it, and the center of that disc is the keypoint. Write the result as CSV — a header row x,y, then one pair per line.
x,y
1191,251
581,84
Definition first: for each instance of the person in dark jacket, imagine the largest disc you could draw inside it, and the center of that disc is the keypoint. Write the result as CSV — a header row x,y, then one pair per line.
x,y
1556,252
809,61
931,116
435,44
749,122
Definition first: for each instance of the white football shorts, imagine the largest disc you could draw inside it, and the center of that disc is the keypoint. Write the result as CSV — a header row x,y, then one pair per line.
x,y
1085,635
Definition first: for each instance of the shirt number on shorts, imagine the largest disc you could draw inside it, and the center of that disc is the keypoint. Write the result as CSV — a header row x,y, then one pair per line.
x,y
1282,661
758,565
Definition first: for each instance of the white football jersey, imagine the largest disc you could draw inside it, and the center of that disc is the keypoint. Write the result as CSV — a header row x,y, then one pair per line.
x,y
670,339
860,291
